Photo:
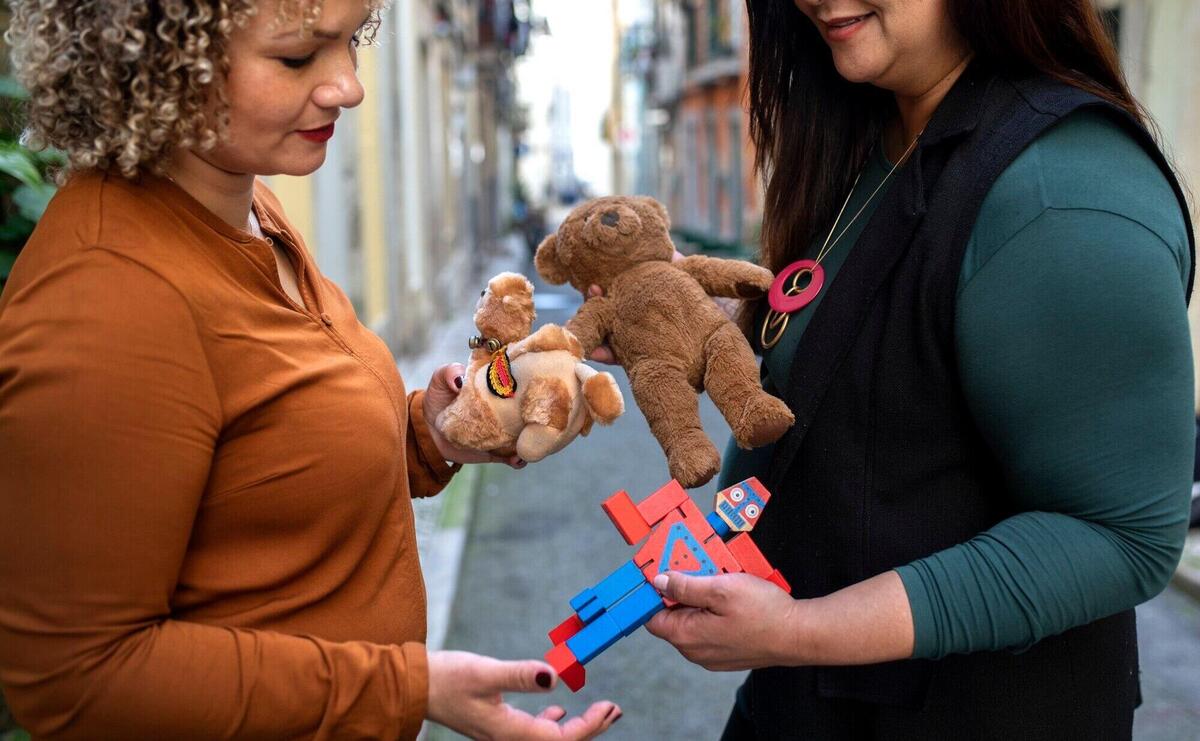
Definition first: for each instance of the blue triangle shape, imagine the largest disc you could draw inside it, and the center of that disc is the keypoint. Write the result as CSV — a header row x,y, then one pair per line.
x,y
679,532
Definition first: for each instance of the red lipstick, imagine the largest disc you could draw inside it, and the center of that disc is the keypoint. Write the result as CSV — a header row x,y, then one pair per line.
x,y
318,135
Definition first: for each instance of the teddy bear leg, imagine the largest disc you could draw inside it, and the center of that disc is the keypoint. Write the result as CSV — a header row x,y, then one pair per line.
x,y
672,408
470,423
731,380
538,441
546,411
600,393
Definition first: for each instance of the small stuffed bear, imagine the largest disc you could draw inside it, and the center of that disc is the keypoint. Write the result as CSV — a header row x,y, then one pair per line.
x,y
525,393
670,337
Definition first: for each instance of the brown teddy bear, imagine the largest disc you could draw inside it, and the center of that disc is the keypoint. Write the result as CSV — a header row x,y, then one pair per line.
x,y
670,337
525,393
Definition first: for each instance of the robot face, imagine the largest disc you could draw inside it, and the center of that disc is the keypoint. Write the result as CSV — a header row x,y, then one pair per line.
x,y
742,504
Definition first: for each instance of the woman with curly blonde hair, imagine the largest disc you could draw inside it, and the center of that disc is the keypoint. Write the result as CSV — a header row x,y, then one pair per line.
x,y
205,525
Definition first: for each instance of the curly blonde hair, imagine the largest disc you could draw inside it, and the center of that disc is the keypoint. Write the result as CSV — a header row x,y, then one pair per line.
x,y
119,84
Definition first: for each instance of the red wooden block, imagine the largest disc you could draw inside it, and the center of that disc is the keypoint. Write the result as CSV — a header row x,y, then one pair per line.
x,y
657,505
721,556
626,517
695,520
748,555
566,666
647,556
566,629
777,579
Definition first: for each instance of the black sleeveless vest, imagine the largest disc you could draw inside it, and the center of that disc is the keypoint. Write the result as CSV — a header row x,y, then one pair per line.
x,y
885,465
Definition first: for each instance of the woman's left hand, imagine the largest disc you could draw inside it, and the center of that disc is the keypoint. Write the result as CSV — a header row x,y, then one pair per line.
x,y
727,622
442,390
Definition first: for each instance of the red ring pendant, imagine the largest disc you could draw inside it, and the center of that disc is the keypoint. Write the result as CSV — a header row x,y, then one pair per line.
x,y
781,302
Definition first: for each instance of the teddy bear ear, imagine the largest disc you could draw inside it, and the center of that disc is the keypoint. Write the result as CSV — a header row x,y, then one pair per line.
x,y
660,209
526,286
548,265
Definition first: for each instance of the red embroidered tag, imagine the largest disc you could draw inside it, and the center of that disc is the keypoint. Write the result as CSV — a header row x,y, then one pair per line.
x,y
500,379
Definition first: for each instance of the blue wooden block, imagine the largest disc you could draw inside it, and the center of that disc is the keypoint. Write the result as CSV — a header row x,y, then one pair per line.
x,y
581,599
612,589
594,638
633,611
619,583
719,526
588,612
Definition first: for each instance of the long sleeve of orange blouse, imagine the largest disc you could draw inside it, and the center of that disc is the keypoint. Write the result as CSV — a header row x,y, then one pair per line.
x,y
205,519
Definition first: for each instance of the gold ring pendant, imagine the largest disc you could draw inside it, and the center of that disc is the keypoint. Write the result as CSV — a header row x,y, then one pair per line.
x,y
775,319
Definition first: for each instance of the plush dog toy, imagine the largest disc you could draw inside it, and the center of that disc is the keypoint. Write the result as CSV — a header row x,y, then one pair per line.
x,y
525,393
672,340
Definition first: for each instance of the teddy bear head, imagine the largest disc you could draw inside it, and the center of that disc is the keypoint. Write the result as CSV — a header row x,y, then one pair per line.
x,y
505,310
604,237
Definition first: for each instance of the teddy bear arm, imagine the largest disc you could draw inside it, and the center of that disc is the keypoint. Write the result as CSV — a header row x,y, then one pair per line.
x,y
592,323
548,337
727,278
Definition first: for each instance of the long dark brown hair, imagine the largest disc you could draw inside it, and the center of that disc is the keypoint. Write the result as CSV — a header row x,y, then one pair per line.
x,y
813,130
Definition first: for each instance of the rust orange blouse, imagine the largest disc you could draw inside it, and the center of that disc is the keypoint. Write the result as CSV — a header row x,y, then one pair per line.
x,y
205,517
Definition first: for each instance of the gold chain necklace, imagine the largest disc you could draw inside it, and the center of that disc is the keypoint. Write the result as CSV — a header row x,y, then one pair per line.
x,y
783,302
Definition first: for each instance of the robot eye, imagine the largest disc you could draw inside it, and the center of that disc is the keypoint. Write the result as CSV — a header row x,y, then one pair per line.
x,y
751,511
737,495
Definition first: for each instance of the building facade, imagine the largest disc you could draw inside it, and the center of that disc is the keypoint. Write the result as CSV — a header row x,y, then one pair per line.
x,y
693,150
415,193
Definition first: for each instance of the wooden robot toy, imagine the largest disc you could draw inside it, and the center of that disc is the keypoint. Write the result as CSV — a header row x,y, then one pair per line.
x,y
680,539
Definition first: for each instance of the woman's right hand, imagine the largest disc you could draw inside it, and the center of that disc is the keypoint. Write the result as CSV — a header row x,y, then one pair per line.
x,y
603,353
465,695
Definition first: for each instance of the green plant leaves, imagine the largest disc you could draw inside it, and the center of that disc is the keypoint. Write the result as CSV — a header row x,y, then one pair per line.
x,y
31,200
51,158
19,162
24,194
10,88
6,263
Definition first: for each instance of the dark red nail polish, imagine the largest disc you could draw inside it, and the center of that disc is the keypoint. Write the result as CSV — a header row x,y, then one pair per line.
x,y
458,382
614,720
543,680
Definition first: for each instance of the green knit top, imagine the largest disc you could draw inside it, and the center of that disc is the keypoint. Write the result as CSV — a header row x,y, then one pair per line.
x,y
1075,358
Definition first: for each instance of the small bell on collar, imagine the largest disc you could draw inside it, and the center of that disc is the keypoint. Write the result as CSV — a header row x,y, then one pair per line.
x,y
491,343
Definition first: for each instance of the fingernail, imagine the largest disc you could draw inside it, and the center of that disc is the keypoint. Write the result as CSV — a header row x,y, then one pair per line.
x,y
543,680
458,382
610,712
660,582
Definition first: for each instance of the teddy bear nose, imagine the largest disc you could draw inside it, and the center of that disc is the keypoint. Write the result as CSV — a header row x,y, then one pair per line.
x,y
610,218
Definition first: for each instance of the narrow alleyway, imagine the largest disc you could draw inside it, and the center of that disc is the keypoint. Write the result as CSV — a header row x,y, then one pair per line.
x,y
538,536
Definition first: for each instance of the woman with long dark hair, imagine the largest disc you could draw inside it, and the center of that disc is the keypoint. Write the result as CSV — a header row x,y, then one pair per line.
x,y
983,262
